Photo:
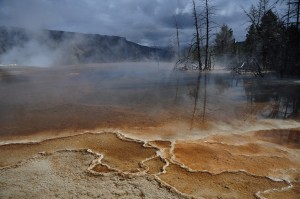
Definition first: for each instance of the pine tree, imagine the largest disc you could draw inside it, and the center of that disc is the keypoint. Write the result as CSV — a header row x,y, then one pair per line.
x,y
252,41
271,31
224,42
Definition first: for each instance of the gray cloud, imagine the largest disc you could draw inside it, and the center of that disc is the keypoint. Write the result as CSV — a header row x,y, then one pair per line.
x,y
147,22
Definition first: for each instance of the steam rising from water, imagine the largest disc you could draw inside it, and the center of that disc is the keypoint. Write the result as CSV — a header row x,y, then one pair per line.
x,y
38,48
143,95
51,48
32,53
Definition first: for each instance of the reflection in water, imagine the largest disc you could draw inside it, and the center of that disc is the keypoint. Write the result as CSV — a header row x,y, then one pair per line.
x,y
205,97
245,97
195,95
288,137
138,94
280,96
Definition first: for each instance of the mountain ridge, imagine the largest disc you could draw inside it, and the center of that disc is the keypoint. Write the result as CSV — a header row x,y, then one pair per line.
x,y
31,47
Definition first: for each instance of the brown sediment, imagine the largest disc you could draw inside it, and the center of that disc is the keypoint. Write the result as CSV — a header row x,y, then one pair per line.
x,y
253,158
287,137
225,185
121,154
155,165
64,174
102,169
162,144
291,193
117,154
69,117
165,128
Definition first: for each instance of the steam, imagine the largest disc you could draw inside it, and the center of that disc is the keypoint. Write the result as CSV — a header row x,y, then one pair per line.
x,y
32,54
49,48
36,48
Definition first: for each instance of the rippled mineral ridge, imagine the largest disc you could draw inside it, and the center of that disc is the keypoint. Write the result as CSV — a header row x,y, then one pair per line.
x,y
141,130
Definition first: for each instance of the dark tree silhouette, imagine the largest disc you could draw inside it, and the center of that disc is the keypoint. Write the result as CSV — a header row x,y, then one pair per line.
x,y
197,28
224,42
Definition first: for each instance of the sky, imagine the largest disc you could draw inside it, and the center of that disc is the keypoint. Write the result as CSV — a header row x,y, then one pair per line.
x,y
147,22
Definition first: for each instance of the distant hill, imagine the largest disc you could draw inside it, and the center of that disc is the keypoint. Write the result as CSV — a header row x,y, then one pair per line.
x,y
50,47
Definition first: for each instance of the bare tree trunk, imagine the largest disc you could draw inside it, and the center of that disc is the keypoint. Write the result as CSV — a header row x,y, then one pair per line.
x,y
298,10
197,36
177,38
288,14
206,67
178,57
264,6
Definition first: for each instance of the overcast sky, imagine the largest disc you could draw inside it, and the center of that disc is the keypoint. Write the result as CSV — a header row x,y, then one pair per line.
x,y
147,22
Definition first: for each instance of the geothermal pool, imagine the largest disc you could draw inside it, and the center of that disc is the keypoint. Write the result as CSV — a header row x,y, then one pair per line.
x,y
142,130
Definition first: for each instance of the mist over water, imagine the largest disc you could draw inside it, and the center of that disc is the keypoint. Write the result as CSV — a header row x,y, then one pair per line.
x,y
87,96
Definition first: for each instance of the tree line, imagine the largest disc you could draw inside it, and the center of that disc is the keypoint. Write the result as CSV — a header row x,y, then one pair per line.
x,y
272,41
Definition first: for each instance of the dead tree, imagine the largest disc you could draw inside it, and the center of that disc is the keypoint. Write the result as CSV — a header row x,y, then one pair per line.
x,y
206,67
288,13
195,15
256,13
297,3
297,22
177,38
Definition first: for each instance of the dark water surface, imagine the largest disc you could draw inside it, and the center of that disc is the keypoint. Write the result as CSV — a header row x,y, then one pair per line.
x,y
88,96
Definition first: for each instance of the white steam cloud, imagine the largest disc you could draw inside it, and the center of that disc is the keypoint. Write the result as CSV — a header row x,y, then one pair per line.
x,y
32,54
